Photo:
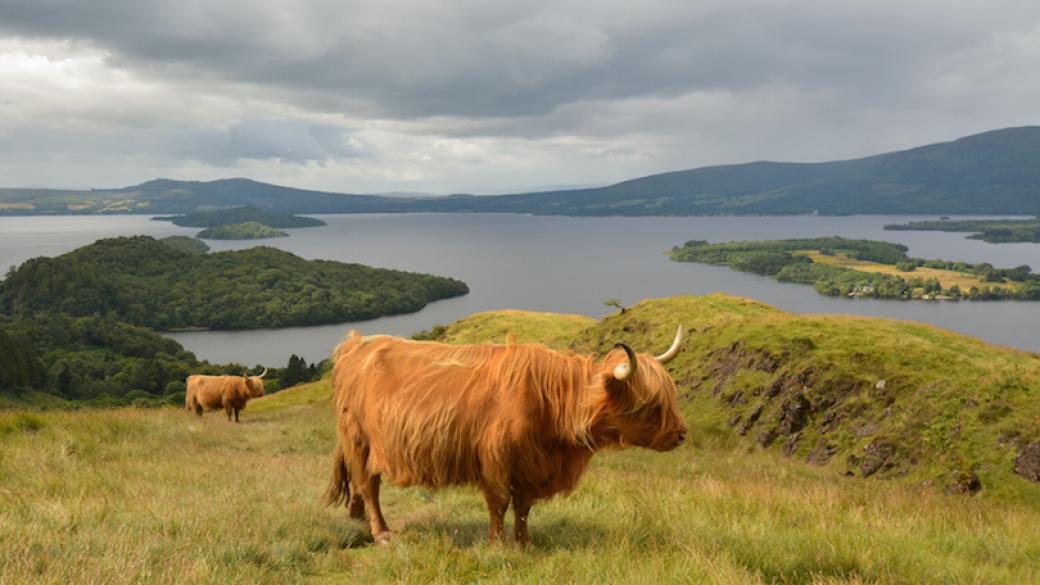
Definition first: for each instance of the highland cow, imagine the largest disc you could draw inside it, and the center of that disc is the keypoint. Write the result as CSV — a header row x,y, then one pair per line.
x,y
520,421
228,392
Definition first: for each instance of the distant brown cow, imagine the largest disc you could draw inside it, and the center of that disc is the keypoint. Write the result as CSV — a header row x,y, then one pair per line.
x,y
520,421
228,392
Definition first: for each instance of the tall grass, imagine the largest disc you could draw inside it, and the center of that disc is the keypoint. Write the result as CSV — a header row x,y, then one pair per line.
x,y
159,496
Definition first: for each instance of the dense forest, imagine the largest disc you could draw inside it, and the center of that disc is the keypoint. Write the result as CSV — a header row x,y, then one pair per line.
x,y
791,261
145,282
249,230
995,231
51,359
243,214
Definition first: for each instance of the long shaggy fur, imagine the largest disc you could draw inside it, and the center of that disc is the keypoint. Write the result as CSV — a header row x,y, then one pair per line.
x,y
519,420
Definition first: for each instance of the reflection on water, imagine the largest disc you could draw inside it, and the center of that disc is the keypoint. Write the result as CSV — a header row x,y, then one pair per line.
x,y
555,264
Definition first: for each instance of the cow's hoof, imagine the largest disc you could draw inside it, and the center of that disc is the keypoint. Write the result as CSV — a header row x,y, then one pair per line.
x,y
383,537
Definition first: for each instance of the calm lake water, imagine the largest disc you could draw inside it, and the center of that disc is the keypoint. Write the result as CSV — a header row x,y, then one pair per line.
x,y
558,264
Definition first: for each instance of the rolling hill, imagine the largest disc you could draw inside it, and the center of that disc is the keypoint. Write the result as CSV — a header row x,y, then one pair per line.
x,y
170,196
995,172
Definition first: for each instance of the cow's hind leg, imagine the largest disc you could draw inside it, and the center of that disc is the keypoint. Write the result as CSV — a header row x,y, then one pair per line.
x,y
357,506
364,485
369,489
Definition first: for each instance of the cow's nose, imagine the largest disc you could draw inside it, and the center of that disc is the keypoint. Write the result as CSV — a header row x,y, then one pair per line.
x,y
679,438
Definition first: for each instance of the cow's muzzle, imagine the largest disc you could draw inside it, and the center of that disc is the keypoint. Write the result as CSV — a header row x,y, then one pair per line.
x,y
671,441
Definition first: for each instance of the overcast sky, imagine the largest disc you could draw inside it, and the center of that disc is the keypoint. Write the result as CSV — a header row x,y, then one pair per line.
x,y
483,96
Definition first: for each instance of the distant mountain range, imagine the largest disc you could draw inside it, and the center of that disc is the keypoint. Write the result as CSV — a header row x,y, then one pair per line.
x,y
995,172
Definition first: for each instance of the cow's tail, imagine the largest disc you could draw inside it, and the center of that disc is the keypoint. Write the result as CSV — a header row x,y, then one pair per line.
x,y
339,488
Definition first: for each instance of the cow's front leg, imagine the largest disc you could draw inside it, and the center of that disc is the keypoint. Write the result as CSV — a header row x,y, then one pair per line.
x,y
521,509
236,414
227,411
497,504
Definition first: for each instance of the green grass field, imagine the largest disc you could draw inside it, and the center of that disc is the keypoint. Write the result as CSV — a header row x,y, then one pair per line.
x,y
947,278
160,496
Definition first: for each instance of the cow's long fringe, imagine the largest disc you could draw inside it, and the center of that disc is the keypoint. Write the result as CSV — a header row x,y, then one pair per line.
x,y
338,491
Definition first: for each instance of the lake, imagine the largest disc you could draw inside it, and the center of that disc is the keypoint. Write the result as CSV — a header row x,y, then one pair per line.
x,y
561,264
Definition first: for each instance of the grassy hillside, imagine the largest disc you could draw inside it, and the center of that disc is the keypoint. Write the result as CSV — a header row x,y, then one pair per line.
x,y
859,396
128,496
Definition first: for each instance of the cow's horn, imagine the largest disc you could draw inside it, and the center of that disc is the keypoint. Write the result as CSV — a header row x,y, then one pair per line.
x,y
623,371
263,373
667,356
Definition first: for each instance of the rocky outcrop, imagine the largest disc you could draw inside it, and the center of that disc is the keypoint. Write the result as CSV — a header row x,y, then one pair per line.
x,y
964,482
877,457
822,453
794,413
1027,464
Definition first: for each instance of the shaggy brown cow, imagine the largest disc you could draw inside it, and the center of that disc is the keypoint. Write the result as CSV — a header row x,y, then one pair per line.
x,y
228,392
520,421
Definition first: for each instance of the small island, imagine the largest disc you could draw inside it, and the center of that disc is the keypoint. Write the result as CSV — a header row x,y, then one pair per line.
x,y
865,268
249,230
994,231
146,282
243,214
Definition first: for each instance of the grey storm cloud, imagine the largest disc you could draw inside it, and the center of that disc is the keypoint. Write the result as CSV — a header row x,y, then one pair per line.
x,y
469,95
474,58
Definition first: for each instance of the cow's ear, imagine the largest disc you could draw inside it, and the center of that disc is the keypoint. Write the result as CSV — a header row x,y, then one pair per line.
x,y
617,390
618,369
